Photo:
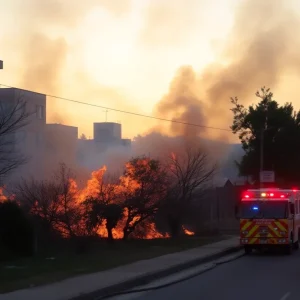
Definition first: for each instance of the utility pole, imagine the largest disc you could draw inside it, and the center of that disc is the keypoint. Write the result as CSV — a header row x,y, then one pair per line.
x,y
106,111
1,68
261,156
262,135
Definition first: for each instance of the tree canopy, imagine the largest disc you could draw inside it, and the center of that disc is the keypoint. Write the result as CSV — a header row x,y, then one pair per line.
x,y
275,126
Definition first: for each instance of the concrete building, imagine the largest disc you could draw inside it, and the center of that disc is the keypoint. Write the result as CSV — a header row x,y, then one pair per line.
x,y
46,145
107,143
107,132
27,139
60,144
126,142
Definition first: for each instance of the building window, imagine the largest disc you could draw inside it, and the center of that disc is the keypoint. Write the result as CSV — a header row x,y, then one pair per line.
x,y
40,112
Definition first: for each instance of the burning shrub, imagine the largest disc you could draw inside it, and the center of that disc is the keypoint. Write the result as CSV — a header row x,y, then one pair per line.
x,y
147,230
143,187
54,202
112,213
106,207
99,214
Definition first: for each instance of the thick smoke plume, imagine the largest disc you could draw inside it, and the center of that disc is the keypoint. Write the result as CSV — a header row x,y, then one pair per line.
x,y
260,49
183,103
41,47
42,32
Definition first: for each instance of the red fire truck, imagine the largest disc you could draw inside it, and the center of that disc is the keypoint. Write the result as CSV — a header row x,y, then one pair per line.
x,y
268,218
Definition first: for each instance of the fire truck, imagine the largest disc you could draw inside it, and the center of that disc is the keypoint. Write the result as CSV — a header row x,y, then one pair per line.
x,y
269,218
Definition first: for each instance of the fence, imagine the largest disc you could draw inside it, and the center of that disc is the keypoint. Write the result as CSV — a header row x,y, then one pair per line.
x,y
216,209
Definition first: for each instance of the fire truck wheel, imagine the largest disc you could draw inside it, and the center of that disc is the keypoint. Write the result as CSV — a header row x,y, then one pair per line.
x,y
248,249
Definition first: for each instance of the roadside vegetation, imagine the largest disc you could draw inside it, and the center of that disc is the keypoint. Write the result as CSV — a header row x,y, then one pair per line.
x,y
50,230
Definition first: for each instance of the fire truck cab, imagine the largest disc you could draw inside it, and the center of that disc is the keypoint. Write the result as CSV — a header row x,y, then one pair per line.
x,y
270,218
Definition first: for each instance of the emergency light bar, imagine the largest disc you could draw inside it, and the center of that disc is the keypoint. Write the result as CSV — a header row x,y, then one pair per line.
x,y
248,195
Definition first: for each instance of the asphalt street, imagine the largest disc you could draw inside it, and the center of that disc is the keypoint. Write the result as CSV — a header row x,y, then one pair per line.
x,y
256,277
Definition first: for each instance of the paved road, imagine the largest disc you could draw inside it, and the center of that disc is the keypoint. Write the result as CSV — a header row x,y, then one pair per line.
x,y
255,277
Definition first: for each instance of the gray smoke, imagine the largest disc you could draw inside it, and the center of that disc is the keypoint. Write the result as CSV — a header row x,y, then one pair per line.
x,y
261,48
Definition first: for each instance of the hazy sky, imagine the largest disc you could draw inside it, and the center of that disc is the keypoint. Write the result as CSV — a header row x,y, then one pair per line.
x,y
124,54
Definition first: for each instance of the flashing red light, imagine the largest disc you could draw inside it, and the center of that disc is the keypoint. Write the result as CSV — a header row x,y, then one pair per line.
x,y
295,190
248,195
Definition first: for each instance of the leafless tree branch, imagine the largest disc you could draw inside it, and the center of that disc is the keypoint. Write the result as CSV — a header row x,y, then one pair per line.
x,y
13,117
190,170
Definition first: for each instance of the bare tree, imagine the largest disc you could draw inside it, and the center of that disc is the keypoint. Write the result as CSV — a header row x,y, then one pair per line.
x,y
13,117
57,203
54,201
40,198
190,171
69,215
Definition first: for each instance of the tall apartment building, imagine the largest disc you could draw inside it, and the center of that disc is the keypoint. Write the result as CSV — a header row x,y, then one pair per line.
x,y
29,139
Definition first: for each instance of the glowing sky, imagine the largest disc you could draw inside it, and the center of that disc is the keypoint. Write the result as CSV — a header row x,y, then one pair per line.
x,y
116,53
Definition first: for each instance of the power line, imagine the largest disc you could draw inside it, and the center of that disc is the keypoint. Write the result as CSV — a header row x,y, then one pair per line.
x,y
119,110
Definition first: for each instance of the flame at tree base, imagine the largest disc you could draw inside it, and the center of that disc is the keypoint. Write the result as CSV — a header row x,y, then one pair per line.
x,y
2,196
188,232
147,232
106,192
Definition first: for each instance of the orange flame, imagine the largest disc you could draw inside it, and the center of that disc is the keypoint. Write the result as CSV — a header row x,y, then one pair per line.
x,y
188,232
73,215
2,196
95,187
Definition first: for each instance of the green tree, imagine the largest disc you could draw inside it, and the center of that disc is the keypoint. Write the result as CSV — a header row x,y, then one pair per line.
x,y
275,127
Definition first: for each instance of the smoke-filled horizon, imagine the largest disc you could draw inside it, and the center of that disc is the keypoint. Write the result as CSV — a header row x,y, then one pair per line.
x,y
260,50
48,54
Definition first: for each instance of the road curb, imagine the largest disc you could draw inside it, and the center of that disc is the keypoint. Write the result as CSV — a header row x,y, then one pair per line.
x,y
147,278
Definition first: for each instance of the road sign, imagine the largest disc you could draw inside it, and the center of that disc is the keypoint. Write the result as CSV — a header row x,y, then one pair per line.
x,y
267,176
